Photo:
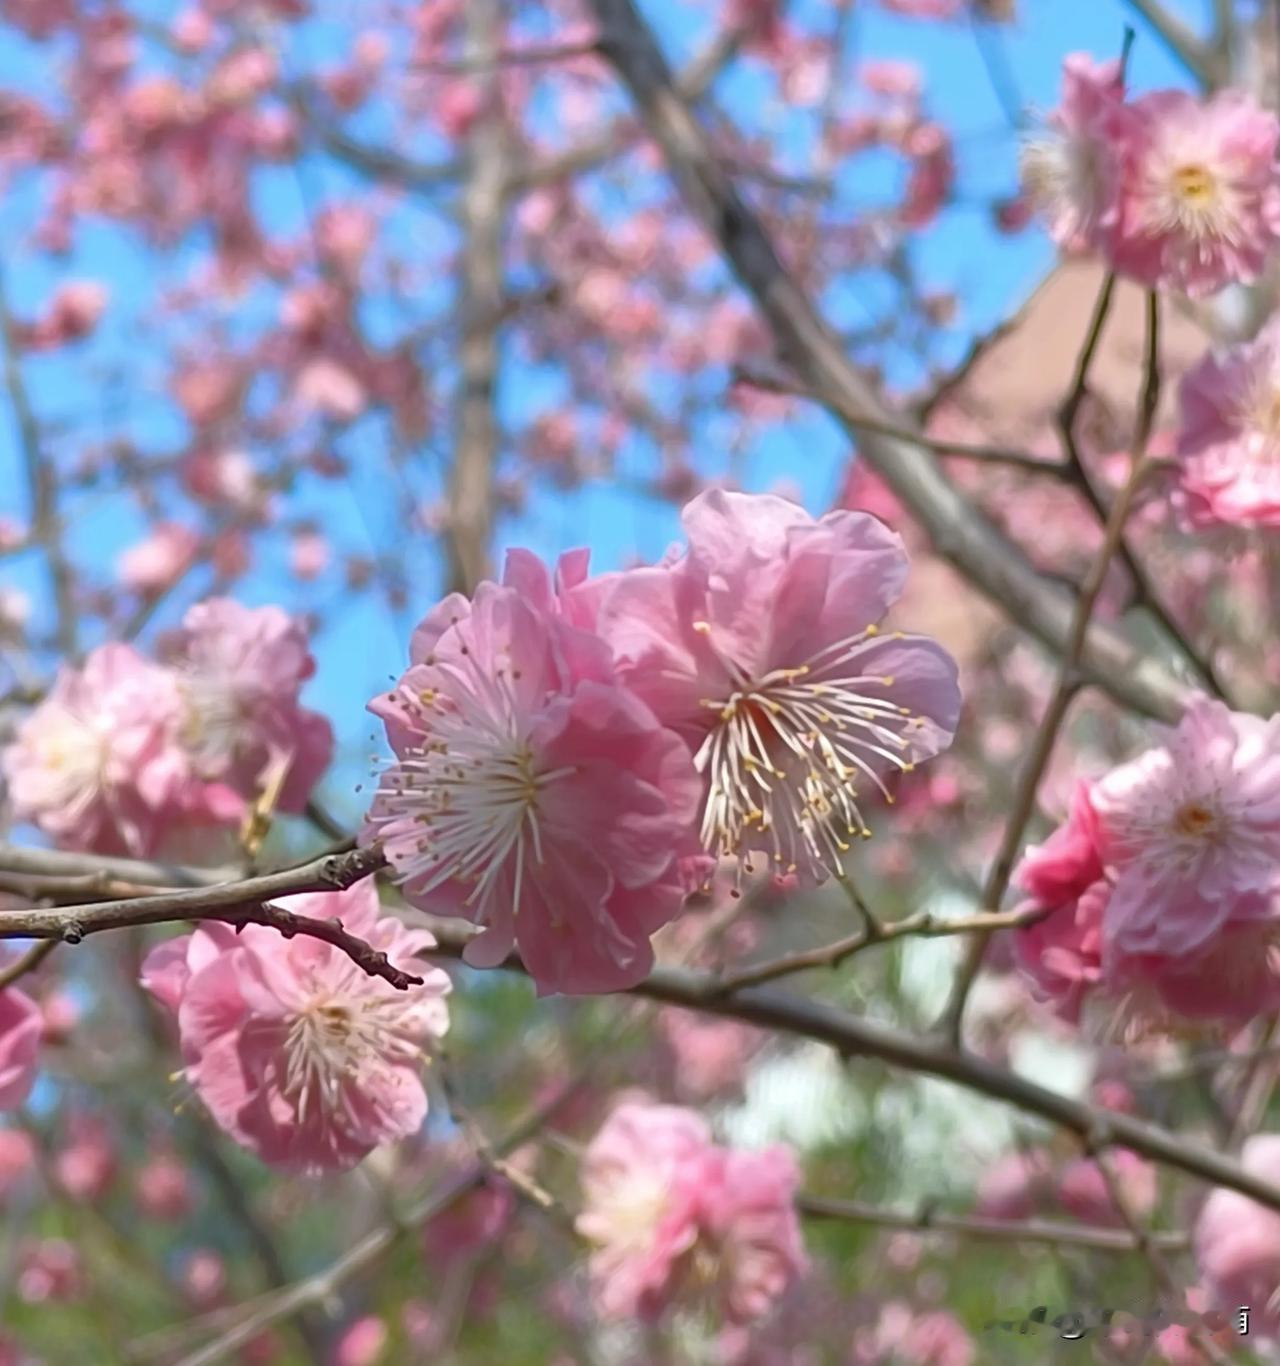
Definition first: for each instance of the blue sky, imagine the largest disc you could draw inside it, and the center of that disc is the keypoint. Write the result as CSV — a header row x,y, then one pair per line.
x,y
364,645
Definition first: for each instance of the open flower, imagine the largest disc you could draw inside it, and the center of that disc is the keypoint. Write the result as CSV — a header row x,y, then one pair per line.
x,y
1200,203
532,793
1062,952
239,672
677,1219
761,648
20,1029
1229,436
1237,1240
1070,167
96,765
296,1052
1190,833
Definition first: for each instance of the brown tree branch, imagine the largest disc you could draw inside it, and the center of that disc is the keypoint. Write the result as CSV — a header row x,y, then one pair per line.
x,y
235,903
482,213
1059,1233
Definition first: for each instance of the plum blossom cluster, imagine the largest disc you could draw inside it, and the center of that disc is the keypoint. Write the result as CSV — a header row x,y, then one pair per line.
x,y
295,1051
573,753
127,753
1160,889
678,1221
1228,443
1173,191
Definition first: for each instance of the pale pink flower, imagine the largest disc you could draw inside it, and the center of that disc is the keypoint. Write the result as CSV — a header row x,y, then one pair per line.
x,y
85,1165
95,765
20,1030
163,1185
308,554
1229,436
1190,833
361,1343
532,793
49,1270
1200,201
1237,1241
761,648
328,388
203,1278
1061,953
297,1053
675,1218
17,1161
73,313
1083,1190
932,1338
750,1230
239,671
710,1055
1070,169
152,564
1015,1185
640,1179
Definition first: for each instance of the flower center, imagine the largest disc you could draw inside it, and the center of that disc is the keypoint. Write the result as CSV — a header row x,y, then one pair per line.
x,y
787,750
472,791
332,1041
73,754
1195,185
1194,820
214,719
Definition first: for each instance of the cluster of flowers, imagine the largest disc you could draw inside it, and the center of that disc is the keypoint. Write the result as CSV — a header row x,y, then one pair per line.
x,y
1160,890
574,753
1173,191
127,754
677,1220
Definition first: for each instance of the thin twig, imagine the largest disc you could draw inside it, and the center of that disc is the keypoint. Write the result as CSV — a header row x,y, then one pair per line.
x,y
1068,677
235,903
929,1220
27,962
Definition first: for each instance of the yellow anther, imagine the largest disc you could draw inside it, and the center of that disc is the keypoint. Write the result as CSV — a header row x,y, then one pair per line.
x,y
887,680
871,631
703,628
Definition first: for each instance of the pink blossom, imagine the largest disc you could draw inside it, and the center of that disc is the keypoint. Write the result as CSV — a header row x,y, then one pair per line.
x,y
1190,833
239,671
163,1185
749,1221
49,1271
153,563
1062,952
308,554
673,1216
1200,205
1237,1241
1229,436
1083,1190
1070,170
532,793
923,9
296,1052
640,1177
468,1226
1015,1185
932,1338
73,313
710,1055
328,388
17,1160
20,1030
203,1278
95,765
361,1343
761,648
85,1165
